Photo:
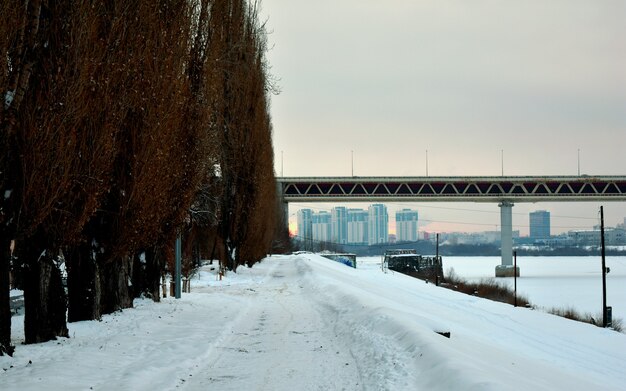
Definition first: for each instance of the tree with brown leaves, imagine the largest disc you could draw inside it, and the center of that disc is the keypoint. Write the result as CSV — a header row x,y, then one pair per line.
x,y
116,118
157,168
242,123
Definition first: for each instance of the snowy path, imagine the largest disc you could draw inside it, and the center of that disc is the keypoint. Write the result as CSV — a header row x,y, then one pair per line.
x,y
285,335
307,323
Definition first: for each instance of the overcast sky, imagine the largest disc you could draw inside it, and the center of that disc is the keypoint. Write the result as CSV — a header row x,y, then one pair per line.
x,y
470,81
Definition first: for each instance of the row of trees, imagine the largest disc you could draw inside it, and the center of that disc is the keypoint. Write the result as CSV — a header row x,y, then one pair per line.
x,y
123,124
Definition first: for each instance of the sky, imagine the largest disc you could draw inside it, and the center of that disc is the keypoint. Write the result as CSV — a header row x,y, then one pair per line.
x,y
476,88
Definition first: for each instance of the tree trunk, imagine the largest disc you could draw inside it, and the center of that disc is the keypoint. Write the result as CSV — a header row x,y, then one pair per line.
x,y
5,307
229,259
146,275
44,298
138,276
197,256
154,270
83,283
212,257
114,278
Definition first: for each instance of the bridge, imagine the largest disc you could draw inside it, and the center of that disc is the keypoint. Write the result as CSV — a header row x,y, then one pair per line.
x,y
506,191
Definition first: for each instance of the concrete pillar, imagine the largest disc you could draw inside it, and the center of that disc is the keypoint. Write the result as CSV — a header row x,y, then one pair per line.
x,y
505,269
506,232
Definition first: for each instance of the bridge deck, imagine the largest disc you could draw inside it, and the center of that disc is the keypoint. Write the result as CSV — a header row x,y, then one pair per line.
x,y
472,189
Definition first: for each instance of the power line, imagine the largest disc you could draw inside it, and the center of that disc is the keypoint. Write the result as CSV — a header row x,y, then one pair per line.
x,y
473,223
486,211
456,209
328,242
491,224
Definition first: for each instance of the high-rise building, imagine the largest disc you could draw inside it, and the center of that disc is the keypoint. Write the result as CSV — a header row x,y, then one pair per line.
x,y
406,225
378,221
539,224
339,225
321,224
305,228
357,226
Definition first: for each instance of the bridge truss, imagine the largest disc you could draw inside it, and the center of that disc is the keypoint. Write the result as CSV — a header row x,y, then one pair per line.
x,y
504,190
456,189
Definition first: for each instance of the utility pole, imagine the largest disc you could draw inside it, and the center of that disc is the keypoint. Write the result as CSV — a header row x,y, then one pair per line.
x,y
352,159
502,160
578,161
515,277
604,311
177,271
437,262
427,162
281,163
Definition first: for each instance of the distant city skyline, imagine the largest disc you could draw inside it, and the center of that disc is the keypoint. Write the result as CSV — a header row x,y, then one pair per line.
x,y
407,221
345,225
471,217
539,222
452,88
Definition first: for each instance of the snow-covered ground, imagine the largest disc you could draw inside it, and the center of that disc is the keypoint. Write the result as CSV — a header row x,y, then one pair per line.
x,y
560,282
307,323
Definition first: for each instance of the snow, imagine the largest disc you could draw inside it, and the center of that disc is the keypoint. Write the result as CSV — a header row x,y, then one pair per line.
x,y
8,99
303,322
556,282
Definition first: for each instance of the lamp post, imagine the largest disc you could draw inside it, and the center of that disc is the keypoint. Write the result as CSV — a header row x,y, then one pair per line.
x,y
177,271
352,162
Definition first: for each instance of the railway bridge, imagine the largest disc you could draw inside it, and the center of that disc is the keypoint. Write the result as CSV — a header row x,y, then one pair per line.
x,y
505,191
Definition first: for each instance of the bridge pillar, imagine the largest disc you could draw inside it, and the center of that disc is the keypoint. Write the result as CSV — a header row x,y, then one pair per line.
x,y
506,269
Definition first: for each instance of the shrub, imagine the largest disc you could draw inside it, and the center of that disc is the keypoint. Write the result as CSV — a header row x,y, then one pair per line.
x,y
571,313
486,288
491,289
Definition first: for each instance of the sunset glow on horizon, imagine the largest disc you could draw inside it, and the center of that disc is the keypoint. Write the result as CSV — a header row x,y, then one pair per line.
x,y
452,89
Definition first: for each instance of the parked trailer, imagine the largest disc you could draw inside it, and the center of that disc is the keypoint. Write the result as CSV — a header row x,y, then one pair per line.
x,y
410,263
389,253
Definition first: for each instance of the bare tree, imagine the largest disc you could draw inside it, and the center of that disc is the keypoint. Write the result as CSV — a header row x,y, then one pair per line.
x,y
242,123
141,111
18,29
31,61
65,157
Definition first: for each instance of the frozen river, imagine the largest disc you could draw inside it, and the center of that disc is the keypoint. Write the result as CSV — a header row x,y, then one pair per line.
x,y
548,282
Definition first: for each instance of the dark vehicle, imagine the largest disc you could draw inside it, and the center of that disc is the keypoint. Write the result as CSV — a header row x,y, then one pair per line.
x,y
415,265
